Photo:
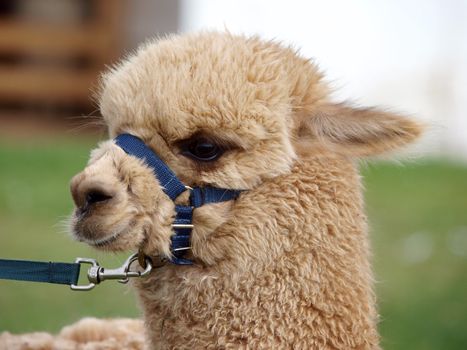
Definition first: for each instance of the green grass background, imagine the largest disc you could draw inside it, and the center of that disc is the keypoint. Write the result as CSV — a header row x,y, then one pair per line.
x,y
418,219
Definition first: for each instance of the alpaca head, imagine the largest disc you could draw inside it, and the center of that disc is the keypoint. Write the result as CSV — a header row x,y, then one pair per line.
x,y
220,110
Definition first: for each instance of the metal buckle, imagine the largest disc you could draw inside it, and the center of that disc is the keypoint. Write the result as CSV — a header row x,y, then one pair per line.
x,y
182,226
181,249
97,274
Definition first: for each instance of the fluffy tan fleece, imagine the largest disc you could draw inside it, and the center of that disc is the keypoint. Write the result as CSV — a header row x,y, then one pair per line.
x,y
87,334
286,265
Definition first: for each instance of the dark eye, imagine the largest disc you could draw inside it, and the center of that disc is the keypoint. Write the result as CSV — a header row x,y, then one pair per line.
x,y
202,149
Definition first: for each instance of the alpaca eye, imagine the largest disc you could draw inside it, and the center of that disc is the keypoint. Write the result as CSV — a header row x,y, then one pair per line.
x,y
203,150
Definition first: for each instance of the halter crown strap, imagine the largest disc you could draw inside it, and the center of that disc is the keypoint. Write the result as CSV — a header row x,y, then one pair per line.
x,y
173,187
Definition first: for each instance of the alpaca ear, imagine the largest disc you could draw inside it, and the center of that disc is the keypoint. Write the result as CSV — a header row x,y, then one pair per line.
x,y
356,132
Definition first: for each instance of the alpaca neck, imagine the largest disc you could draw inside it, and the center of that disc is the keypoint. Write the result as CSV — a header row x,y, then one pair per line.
x,y
301,278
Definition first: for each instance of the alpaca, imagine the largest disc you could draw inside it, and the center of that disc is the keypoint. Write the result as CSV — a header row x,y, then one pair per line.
x,y
286,263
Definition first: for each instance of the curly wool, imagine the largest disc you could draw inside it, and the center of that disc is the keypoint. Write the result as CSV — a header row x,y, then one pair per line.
x,y
87,334
310,290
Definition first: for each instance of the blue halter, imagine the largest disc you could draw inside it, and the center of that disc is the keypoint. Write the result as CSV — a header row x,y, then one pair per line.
x,y
173,187
68,273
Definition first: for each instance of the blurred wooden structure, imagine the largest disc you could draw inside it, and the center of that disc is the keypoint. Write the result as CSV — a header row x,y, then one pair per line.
x,y
54,63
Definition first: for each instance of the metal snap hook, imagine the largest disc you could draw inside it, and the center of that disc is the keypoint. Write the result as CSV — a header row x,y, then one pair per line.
x,y
97,274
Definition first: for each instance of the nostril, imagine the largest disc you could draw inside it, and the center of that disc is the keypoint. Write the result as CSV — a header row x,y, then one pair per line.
x,y
96,196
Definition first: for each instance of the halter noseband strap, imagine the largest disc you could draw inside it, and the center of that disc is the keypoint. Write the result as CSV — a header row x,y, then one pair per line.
x,y
173,187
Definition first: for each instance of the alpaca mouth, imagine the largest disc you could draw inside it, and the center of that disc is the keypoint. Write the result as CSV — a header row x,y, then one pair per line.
x,y
105,241
98,232
88,232
99,242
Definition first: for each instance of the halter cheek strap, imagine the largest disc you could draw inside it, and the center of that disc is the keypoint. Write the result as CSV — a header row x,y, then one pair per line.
x,y
173,187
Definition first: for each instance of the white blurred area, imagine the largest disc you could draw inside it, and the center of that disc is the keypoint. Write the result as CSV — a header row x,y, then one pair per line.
x,y
410,56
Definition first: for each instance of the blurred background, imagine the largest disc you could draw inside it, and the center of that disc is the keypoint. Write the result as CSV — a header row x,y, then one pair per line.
x,y
407,55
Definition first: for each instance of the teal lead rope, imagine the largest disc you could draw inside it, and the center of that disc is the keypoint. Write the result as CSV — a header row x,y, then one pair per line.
x,y
37,271
68,273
